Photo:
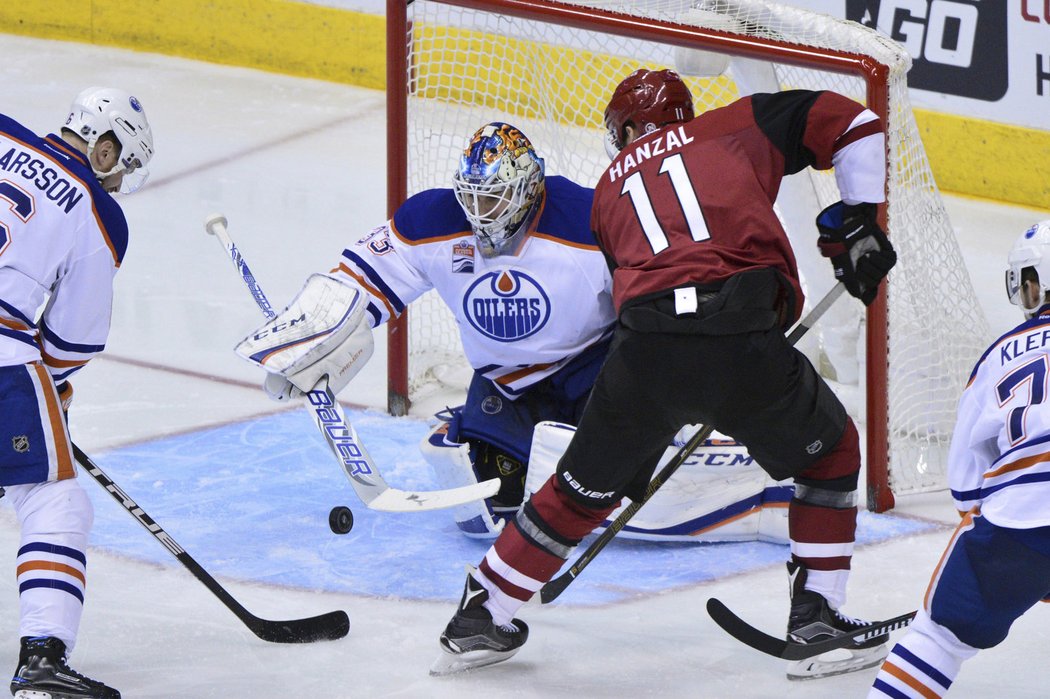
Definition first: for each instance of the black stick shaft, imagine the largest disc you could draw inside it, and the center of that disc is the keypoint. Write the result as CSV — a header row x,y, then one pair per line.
x,y
328,626
550,591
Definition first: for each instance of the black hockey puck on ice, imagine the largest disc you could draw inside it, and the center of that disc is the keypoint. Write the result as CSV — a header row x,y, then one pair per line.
x,y
341,519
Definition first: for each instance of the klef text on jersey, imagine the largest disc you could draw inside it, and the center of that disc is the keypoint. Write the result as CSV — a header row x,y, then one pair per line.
x,y
1012,349
57,188
668,141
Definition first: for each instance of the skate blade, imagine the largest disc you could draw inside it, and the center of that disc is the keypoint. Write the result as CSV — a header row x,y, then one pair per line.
x,y
837,662
453,663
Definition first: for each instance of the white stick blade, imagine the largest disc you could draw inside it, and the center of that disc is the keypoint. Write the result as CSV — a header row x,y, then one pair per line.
x,y
393,500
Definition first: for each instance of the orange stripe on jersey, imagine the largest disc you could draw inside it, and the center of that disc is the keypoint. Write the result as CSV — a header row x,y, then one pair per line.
x,y
61,363
966,523
14,324
1018,465
902,675
94,211
282,348
1004,338
515,375
63,450
64,147
52,565
368,287
406,241
562,241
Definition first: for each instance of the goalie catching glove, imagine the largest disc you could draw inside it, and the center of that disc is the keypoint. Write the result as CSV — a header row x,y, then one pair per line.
x,y
859,250
322,333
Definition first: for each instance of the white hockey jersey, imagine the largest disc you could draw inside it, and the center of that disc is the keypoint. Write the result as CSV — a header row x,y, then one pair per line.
x,y
62,238
520,317
999,457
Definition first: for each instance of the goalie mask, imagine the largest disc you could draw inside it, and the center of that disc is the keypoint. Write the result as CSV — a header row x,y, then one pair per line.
x,y
99,110
1032,250
499,185
647,100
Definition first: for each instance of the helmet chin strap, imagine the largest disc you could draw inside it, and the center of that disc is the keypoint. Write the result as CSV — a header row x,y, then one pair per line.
x,y
99,175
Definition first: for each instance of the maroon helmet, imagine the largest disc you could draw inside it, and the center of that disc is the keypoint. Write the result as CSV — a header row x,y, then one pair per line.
x,y
648,99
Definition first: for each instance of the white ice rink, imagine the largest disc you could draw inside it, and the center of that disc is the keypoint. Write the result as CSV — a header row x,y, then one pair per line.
x,y
298,167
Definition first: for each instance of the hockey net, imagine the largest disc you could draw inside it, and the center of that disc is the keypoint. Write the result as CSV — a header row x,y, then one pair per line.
x,y
549,68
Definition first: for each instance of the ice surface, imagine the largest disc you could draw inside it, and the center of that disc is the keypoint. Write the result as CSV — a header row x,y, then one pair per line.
x,y
245,485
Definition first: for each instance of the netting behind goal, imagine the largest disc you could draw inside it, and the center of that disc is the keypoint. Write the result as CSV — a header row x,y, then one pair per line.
x,y
549,68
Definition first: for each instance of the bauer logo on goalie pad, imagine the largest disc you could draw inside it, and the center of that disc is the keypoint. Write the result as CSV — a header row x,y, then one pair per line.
x,y
506,305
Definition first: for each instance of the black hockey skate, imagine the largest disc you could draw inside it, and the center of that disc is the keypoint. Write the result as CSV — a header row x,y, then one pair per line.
x,y
812,620
43,674
472,640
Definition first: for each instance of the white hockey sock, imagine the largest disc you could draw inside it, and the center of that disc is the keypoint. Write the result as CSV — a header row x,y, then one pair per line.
x,y
923,664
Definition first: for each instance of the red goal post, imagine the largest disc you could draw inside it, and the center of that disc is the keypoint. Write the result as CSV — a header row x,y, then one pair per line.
x,y
549,66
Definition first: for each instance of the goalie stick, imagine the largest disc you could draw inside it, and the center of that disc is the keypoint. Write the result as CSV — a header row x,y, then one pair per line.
x,y
553,588
325,627
789,650
355,461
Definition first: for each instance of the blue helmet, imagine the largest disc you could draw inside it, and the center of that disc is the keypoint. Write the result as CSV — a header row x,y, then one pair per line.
x,y
499,185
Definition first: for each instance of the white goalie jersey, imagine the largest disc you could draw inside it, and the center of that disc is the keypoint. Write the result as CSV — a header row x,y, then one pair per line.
x,y
520,317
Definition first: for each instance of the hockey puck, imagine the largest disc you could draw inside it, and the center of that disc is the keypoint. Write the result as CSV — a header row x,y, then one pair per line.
x,y
341,519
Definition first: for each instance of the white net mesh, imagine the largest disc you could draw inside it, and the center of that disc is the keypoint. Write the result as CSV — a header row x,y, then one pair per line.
x,y
470,67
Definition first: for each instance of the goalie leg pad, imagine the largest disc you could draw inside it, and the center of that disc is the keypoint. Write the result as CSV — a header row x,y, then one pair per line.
x,y
719,493
453,468
322,333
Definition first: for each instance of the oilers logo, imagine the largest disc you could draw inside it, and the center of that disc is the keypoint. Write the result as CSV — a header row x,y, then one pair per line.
x,y
506,305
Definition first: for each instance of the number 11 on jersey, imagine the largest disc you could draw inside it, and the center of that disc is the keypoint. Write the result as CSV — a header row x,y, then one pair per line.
x,y
674,167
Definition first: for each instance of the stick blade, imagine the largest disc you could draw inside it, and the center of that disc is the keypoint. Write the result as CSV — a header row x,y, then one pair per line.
x,y
745,632
394,500
330,626
553,589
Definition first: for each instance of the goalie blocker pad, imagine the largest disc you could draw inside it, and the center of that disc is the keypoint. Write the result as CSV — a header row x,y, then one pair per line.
x,y
321,333
718,494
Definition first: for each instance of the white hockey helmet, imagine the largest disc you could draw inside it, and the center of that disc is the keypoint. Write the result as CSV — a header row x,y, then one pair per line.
x,y
99,110
499,185
1032,249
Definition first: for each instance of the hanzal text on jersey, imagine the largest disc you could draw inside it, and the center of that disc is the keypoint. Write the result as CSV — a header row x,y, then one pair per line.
x,y
668,141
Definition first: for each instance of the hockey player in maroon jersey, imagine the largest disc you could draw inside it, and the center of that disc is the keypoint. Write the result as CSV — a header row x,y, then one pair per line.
x,y
704,284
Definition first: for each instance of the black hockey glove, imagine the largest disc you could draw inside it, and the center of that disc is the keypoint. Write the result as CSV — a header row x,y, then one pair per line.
x,y
859,250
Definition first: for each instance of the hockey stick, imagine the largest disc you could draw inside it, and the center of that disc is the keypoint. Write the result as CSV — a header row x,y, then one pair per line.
x,y
355,461
789,650
326,627
553,588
